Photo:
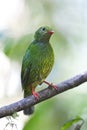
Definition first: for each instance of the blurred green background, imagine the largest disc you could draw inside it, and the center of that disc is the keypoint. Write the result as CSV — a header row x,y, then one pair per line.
x,y
19,19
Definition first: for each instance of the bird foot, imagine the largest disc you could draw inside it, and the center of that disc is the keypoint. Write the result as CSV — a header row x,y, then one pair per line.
x,y
36,95
50,84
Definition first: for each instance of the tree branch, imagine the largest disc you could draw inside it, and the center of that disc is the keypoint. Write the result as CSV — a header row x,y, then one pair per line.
x,y
44,94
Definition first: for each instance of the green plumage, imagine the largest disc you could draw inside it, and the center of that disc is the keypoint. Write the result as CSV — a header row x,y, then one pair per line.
x,y
37,62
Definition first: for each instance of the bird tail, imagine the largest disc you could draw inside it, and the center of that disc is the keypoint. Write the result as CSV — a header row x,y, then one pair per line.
x,y
30,110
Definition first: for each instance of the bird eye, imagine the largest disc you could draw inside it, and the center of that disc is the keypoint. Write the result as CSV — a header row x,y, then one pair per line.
x,y
43,28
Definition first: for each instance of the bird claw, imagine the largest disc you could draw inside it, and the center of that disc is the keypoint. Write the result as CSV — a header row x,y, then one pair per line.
x,y
36,95
50,84
54,86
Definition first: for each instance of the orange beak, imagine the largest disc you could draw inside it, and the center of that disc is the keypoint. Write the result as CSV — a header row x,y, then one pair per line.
x,y
50,32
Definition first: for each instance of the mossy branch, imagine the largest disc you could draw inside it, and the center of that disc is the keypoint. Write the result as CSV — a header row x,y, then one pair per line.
x,y
44,95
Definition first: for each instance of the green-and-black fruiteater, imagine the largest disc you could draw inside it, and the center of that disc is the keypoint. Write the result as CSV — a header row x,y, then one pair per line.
x,y
37,63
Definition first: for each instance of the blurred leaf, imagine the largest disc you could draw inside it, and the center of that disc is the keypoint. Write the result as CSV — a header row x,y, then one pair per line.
x,y
42,119
15,48
8,44
72,122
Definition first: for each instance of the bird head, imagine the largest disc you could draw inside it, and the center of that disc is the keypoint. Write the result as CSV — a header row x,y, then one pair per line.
x,y
43,34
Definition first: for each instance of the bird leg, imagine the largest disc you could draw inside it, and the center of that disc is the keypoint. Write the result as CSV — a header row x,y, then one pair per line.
x,y
50,84
36,95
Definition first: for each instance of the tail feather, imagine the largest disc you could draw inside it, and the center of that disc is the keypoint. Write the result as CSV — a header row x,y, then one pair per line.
x,y
29,111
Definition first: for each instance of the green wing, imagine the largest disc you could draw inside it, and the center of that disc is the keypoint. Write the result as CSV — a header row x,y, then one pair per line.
x,y
25,72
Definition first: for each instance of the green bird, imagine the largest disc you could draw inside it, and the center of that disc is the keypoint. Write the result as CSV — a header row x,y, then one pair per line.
x,y
37,64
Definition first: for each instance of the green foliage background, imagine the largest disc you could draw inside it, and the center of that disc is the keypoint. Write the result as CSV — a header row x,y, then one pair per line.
x,y
69,44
